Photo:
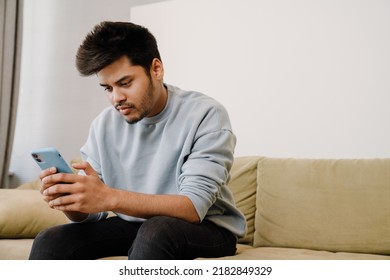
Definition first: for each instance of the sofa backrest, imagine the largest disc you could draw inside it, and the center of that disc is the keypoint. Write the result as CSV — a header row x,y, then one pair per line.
x,y
323,204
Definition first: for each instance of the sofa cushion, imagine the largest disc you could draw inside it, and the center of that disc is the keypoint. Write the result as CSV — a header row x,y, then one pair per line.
x,y
243,184
15,249
245,252
32,185
23,213
332,205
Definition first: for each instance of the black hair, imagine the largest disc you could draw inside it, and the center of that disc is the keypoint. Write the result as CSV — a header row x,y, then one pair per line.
x,y
109,41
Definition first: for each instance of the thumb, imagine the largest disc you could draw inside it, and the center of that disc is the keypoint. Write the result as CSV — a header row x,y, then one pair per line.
x,y
86,167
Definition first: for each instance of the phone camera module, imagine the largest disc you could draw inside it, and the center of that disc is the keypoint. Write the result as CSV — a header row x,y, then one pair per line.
x,y
37,157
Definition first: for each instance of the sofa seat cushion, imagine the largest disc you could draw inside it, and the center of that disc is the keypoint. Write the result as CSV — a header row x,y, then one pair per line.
x,y
23,213
331,205
15,249
245,252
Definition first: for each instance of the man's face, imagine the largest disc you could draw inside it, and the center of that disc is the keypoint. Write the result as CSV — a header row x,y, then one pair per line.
x,y
131,91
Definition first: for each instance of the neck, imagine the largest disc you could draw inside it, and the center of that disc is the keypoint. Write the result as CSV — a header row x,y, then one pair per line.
x,y
161,93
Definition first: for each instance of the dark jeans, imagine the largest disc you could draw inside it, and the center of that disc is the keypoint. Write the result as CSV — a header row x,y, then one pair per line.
x,y
157,238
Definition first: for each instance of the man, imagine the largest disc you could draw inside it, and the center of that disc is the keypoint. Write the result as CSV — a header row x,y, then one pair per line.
x,y
159,158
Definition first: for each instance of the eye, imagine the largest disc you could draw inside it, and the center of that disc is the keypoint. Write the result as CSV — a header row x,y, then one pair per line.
x,y
109,89
125,83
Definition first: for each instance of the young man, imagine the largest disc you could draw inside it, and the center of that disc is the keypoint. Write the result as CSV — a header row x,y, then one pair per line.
x,y
159,158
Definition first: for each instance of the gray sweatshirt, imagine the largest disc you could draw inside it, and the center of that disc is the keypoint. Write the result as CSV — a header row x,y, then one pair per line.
x,y
186,149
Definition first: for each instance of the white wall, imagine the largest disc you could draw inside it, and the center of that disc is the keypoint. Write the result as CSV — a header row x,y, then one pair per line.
x,y
300,78
56,105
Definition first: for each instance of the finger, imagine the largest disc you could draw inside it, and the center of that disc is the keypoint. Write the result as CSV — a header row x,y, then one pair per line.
x,y
66,203
59,190
43,177
47,172
86,167
48,198
61,202
59,178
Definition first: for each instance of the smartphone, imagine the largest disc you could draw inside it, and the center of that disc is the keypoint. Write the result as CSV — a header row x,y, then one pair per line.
x,y
50,157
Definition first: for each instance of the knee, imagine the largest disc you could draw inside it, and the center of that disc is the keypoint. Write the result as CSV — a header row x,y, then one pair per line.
x,y
49,235
40,248
158,228
48,244
157,238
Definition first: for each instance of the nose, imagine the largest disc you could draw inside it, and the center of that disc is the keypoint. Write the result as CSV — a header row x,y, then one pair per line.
x,y
117,95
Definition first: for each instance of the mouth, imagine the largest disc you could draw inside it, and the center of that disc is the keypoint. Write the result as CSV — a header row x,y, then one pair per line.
x,y
124,109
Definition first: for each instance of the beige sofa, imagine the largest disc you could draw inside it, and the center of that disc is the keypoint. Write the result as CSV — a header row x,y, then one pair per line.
x,y
295,209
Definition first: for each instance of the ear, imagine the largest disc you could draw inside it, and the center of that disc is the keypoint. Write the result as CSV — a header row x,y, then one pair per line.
x,y
157,69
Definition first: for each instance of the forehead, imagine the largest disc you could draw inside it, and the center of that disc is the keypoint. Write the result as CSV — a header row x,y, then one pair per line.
x,y
118,69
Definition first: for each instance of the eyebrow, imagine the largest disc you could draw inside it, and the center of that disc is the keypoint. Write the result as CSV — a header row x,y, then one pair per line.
x,y
119,81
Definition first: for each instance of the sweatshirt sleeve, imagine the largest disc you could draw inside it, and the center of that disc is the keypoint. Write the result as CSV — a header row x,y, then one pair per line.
x,y
205,173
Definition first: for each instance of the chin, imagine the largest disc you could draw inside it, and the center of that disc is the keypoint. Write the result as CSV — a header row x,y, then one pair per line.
x,y
132,121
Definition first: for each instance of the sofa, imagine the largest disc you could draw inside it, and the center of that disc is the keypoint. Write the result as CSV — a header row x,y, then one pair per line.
x,y
296,209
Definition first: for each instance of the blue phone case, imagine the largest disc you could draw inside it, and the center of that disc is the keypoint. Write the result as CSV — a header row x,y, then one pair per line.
x,y
49,157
